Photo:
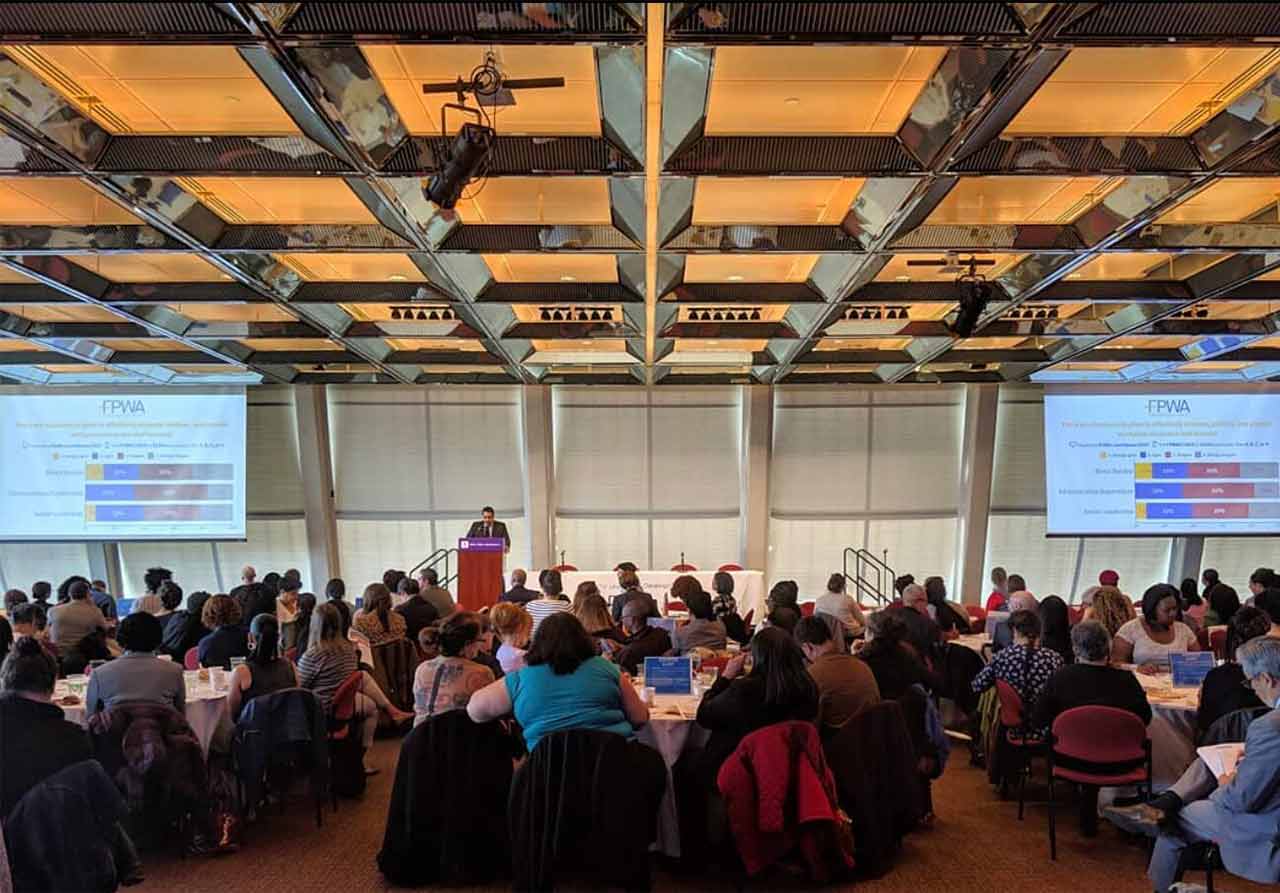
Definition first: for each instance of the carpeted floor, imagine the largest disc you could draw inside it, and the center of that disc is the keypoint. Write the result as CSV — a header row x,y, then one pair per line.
x,y
977,845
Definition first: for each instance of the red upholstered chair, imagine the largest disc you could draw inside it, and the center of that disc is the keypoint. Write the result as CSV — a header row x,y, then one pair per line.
x,y
191,660
717,662
977,615
683,568
676,606
291,655
807,609
1107,747
343,724
1218,642
564,567
1023,744
729,567
1075,613
750,614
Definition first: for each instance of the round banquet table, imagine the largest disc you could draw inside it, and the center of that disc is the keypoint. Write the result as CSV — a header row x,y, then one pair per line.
x,y
1172,728
205,708
670,731
748,586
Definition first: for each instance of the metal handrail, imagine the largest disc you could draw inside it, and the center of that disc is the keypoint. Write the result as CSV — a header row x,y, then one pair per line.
x,y
432,560
878,588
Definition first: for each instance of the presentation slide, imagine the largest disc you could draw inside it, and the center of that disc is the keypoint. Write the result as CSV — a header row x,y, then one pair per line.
x,y
129,466
1162,464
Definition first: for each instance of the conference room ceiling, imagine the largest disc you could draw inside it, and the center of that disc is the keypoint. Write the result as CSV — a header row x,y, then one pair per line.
x,y
199,193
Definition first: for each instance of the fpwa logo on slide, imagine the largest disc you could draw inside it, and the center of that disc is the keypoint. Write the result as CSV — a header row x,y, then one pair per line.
x,y
123,407
1168,407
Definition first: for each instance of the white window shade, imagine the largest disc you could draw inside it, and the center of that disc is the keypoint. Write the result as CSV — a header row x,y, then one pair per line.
x,y
1140,562
1235,558
1018,544
601,543
379,455
274,476
706,543
602,458
810,551
915,457
1017,476
272,545
696,452
191,563
476,455
923,547
819,458
368,548
22,564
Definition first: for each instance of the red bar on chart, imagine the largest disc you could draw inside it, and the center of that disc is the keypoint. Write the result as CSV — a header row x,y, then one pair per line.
x,y
1213,470
1217,491
1220,510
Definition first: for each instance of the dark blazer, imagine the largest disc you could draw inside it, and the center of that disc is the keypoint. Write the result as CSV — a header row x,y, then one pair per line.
x,y
417,613
36,741
499,531
520,595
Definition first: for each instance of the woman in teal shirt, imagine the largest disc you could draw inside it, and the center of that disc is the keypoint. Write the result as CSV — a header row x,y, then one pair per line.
x,y
564,685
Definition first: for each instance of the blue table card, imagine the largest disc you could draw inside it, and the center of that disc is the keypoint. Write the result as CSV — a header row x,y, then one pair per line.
x,y
669,675
1189,668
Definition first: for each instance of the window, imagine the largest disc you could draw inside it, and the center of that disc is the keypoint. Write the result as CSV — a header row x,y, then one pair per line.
x,y
646,475
22,564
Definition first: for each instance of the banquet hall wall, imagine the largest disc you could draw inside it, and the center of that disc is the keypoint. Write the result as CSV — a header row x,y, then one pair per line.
x,y
782,478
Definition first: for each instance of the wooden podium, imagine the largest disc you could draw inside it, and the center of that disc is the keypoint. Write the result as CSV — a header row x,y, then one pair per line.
x,y
480,571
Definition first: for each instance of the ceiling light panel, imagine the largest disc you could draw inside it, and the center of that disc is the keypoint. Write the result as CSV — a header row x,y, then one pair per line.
x,y
325,267
789,200
281,200
1021,199
549,200
552,267
58,201
750,267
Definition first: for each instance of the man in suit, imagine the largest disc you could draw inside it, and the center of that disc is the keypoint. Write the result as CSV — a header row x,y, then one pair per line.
x,y
1240,810
518,593
487,527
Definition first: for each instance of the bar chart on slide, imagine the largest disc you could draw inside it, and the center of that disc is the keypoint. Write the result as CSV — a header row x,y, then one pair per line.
x,y
1193,491
178,493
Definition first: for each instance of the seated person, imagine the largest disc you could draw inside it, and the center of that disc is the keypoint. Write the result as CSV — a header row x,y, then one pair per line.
x,y
1223,604
726,608
1024,664
24,619
702,630
837,603
1238,811
418,613
1020,600
137,675
448,681
845,684
640,640
1149,639
173,620
777,689
1110,607
1090,681
376,621
1224,689
330,661
782,605
75,619
894,661
513,624
519,593
434,593
952,621
13,598
564,685
630,583
999,597
1268,601
922,632
229,638
264,671
287,610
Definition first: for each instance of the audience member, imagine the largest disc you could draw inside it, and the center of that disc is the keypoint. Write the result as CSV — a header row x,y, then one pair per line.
x,y
900,584
783,605
265,670
6,637
294,576
778,688
418,613
306,610
228,639
923,634
23,621
271,585
629,580
1017,584
952,621
1190,594
1238,811
1262,579
137,675
256,598
726,608
248,575
376,621
193,629
75,620
846,685
173,620
893,660
551,602
1224,689
1268,602
435,594
1019,600
13,598
331,661
1090,680
1109,578
836,602
448,681
640,640
585,588
564,685
1055,628
153,579
1148,640
702,630
513,626
287,611
999,596
593,614
103,600
40,592
1223,604
518,593
335,593
1208,579
1111,608
1024,664
64,588
391,578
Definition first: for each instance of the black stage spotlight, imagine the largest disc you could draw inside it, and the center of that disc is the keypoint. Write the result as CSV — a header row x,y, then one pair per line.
x,y
422,316
975,292
395,312
755,315
470,148
545,315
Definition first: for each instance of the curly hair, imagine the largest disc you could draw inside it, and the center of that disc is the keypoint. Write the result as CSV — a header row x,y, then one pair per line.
x,y
221,610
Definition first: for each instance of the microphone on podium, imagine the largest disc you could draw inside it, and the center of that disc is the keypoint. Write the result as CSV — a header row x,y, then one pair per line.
x,y
562,557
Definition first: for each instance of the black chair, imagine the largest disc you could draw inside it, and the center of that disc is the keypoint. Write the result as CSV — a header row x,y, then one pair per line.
x,y
276,735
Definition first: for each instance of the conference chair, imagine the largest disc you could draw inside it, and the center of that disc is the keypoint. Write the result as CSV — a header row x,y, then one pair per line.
x,y
977,616
683,568
346,751
1075,613
394,664
807,609
191,660
1106,747
277,735
1218,643
729,567
674,605
563,568
1023,743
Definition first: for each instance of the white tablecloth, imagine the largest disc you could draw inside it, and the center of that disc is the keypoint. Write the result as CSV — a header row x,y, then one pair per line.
x,y
205,708
748,586
1172,728
670,730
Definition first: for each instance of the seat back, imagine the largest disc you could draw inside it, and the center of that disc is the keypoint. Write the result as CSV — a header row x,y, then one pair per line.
x,y
564,567
683,568
807,609
1218,642
1075,613
343,709
750,614
1011,711
729,567
394,664
191,660
977,614
1097,734
1233,726
291,654
676,605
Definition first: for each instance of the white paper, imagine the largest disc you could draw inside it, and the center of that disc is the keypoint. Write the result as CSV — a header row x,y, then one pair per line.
x,y
1221,758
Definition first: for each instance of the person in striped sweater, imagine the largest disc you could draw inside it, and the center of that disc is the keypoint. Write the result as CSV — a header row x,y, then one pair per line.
x,y
551,602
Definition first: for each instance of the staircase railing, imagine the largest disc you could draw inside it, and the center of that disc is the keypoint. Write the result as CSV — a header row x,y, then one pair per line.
x,y
434,560
872,578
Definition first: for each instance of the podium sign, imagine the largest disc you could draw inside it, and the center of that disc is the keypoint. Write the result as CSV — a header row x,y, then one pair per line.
x,y
480,571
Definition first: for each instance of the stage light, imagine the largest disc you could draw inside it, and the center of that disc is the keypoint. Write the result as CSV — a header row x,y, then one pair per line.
x,y
434,315
470,148
395,312
975,292
755,315
608,316
595,315
422,315
546,315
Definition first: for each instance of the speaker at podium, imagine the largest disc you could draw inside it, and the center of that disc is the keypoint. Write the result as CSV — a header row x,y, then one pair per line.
x,y
480,571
